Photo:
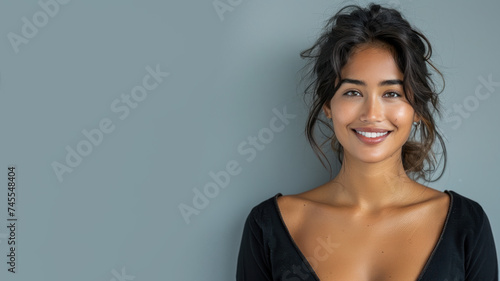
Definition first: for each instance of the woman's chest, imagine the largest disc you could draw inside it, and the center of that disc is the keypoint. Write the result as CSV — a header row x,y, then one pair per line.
x,y
395,248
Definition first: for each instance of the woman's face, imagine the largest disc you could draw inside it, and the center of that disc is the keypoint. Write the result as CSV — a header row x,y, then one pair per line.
x,y
371,117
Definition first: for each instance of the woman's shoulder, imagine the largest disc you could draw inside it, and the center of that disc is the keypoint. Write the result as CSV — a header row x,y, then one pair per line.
x,y
463,209
264,211
465,203
290,203
293,204
466,212
271,212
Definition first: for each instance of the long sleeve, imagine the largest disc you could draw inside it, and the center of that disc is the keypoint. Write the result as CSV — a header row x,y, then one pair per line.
x,y
253,262
481,259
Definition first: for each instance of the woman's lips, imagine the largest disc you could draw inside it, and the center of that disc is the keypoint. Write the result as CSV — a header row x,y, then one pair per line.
x,y
371,136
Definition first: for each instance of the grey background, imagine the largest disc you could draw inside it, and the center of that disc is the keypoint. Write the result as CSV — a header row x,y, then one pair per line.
x,y
119,208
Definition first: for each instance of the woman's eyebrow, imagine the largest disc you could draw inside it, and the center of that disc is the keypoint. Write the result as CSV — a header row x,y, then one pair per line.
x,y
362,83
391,82
352,81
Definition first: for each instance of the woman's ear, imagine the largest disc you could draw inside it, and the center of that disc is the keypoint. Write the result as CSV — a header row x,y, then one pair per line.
x,y
327,110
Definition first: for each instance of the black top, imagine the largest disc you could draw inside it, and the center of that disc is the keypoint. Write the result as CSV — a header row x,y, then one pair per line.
x,y
464,251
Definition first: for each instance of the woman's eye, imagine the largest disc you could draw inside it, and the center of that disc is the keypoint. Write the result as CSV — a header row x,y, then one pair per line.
x,y
352,94
392,95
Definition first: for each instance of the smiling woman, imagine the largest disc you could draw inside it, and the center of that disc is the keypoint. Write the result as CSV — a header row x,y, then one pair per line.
x,y
373,220
370,108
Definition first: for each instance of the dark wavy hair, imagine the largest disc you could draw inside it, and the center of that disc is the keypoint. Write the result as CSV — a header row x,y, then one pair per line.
x,y
351,27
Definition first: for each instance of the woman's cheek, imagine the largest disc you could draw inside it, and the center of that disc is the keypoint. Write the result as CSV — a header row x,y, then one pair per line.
x,y
342,116
402,115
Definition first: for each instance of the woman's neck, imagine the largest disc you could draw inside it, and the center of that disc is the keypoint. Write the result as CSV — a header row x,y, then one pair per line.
x,y
372,187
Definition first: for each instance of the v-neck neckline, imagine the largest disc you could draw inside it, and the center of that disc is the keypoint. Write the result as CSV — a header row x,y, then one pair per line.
x,y
313,272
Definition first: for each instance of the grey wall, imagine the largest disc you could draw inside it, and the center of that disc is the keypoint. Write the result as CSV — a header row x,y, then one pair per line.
x,y
114,212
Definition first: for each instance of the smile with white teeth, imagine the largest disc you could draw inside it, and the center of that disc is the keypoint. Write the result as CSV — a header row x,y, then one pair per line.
x,y
371,134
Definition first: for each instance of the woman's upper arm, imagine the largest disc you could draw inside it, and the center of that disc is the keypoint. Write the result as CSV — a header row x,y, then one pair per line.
x,y
481,263
253,262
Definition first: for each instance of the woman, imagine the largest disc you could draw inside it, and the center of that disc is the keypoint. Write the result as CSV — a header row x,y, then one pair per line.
x,y
373,221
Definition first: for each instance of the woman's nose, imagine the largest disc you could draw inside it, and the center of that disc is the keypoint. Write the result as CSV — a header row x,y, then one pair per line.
x,y
372,110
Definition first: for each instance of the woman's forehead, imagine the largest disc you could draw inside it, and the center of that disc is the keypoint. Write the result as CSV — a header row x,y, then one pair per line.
x,y
371,64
